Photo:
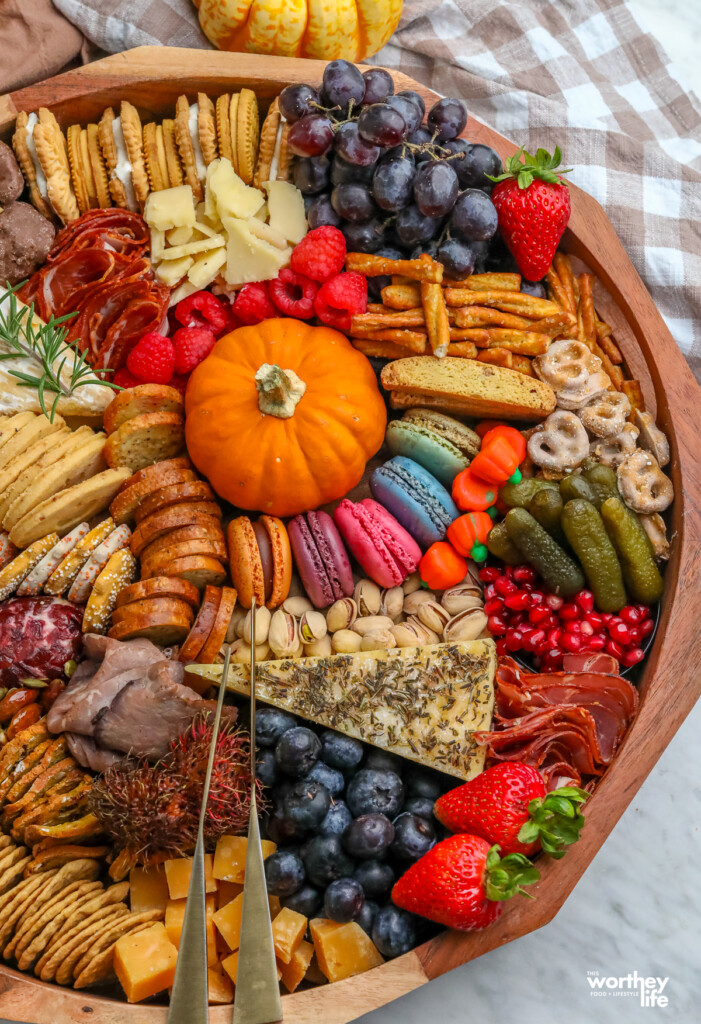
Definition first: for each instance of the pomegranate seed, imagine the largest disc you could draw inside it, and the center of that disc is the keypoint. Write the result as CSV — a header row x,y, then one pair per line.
x,y
612,648
606,617
631,615
574,627
518,601
526,630
585,600
493,606
514,640
528,587
585,628
524,574
552,622
507,571
538,616
554,637
489,573
489,592
644,610
570,611
534,639
517,618
505,586
542,648
636,635
502,649
619,632
646,627
554,602
552,660
571,642
496,625
594,619
633,656
596,643
537,597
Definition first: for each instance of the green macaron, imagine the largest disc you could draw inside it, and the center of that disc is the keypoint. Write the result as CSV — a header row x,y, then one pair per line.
x,y
440,444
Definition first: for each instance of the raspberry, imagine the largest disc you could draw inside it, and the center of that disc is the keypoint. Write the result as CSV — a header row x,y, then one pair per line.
x,y
152,359
202,309
191,345
340,298
294,294
253,304
125,379
321,254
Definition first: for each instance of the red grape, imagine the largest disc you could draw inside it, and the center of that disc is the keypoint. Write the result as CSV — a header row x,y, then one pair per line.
x,y
311,136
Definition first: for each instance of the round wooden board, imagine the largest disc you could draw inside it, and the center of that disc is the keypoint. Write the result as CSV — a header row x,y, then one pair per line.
x,y
152,78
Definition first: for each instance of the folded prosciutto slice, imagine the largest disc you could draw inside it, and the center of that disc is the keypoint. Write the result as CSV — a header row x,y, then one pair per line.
x,y
115,230
566,724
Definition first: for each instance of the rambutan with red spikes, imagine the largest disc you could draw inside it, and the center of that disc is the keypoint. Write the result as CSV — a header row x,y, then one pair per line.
x,y
151,812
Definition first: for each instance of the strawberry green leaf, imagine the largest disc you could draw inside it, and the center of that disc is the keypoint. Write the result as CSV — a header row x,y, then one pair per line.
x,y
524,168
505,876
555,820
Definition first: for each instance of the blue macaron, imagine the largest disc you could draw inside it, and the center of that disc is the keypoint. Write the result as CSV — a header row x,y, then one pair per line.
x,y
435,453
414,497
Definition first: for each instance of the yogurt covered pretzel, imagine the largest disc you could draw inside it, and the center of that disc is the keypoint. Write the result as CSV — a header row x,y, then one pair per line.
x,y
596,384
566,364
613,450
560,443
643,485
606,414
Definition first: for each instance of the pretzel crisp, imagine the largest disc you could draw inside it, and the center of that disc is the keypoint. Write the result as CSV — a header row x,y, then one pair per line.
x,y
560,443
566,364
576,398
613,450
606,414
643,485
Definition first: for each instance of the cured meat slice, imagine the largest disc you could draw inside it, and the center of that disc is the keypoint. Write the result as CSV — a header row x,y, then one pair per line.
x,y
38,637
87,753
64,285
116,230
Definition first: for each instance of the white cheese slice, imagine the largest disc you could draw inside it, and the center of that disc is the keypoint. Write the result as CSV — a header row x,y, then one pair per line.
x,y
172,271
249,258
226,195
158,243
179,236
286,210
182,292
206,267
268,234
191,248
170,208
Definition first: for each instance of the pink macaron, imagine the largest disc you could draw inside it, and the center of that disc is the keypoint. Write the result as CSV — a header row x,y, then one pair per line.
x,y
378,542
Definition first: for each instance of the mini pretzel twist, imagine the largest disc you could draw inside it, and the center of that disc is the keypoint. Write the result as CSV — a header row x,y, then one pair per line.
x,y
566,364
606,415
613,450
560,443
576,398
643,485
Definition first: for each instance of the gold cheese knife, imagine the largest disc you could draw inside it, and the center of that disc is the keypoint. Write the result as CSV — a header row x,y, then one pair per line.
x,y
189,1002
257,998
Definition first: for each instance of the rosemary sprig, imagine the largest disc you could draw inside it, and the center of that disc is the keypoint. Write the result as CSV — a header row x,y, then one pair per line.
x,y
44,344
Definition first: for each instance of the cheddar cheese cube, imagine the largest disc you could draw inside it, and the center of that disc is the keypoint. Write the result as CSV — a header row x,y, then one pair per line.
x,y
148,889
288,931
144,962
294,971
178,873
343,950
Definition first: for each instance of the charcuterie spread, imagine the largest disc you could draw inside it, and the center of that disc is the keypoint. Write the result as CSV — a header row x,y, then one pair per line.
x,y
331,359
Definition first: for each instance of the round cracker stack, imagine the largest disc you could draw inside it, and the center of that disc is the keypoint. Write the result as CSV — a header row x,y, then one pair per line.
x,y
133,140
52,154
247,135
155,157
21,146
175,169
273,142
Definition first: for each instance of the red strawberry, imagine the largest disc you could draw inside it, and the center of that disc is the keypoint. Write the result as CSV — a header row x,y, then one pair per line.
x,y
152,359
461,882
533,204
509,805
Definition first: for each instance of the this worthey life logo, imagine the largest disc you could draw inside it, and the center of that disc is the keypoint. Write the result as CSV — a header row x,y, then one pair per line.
x,y
650,990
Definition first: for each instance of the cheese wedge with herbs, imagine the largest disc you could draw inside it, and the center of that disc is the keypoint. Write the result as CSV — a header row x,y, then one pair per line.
x,y
422,703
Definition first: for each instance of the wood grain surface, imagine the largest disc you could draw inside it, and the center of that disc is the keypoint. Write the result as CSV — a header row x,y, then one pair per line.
x,y
152,78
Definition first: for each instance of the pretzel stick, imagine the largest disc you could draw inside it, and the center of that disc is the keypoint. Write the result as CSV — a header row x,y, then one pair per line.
x,y
524,342
556,290
586,304
632,389
497,356
378,321
507,302
402,296
522,364
374,266
603,330
554,325
377,307
485,282
464,349
474,334
564,272
381,349
480,316
402,279
414,340
436,314
612,350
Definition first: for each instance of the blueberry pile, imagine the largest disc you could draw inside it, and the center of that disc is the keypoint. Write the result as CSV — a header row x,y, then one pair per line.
x,y
348,820
366,162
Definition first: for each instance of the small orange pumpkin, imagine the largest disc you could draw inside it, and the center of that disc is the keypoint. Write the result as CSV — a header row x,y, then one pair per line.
x,y
282,416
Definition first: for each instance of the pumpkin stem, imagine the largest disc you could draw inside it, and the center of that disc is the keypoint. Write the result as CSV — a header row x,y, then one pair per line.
x,y
278,391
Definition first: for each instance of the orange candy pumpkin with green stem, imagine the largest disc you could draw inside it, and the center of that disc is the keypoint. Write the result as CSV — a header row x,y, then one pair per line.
x,y
282,416
442,567
468,534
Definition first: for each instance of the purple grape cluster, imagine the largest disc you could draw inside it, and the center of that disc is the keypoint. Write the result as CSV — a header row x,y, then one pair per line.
x,y
367,163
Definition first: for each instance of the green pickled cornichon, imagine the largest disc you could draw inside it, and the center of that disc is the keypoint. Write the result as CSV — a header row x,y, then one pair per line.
x,y
501,546
603,482
546,507
584,529
521,494
575,486
538,548
640,573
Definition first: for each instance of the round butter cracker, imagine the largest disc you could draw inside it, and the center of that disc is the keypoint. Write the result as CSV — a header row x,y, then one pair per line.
x,y
131,129
247,135
185,147
206,128
224,126
268,141
155,157
97,165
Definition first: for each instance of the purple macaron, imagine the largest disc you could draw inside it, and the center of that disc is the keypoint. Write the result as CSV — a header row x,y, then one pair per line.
x,y
321,558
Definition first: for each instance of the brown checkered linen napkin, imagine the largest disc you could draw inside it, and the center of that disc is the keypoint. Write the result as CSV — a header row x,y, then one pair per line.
x,y
583,74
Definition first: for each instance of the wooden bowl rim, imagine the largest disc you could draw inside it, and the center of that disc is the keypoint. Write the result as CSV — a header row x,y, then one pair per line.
x,y
670,682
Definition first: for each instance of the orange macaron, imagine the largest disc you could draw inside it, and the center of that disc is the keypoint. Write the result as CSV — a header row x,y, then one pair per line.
x,y
260,559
